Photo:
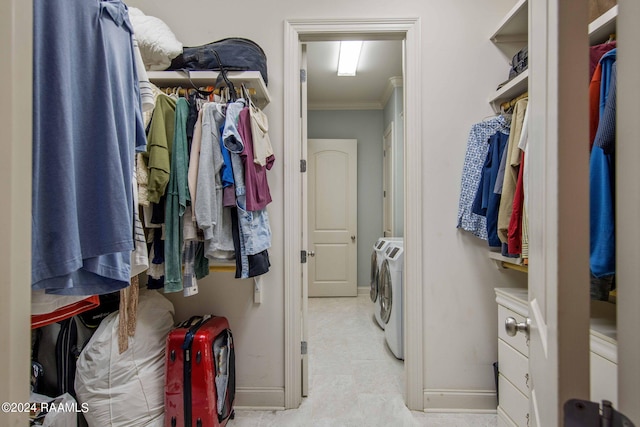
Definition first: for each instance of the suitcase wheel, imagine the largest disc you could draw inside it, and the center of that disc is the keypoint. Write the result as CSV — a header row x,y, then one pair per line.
x,y
233,414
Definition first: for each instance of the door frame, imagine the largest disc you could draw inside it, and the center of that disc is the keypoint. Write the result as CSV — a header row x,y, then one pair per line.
x,y
297,31
15,187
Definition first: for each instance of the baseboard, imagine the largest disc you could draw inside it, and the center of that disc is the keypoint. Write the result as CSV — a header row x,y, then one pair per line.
x,y
259,398
460,401
364,290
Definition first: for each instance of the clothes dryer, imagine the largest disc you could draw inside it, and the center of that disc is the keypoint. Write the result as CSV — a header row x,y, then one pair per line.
x,y
391,305
377,256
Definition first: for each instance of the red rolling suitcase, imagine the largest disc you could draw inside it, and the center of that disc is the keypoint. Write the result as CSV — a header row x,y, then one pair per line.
x,y
200,373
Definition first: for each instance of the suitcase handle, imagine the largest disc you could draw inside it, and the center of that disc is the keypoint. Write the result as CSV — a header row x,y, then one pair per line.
x,y
188,338
187,323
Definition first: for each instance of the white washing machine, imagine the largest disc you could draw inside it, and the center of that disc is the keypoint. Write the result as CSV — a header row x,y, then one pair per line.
x,y
391,284
377,257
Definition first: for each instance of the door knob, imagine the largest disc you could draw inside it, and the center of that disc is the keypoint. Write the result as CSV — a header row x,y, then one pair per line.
x,y
311,253
512,327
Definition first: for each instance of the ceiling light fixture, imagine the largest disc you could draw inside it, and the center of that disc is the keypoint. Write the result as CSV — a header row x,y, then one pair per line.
x,y
349,57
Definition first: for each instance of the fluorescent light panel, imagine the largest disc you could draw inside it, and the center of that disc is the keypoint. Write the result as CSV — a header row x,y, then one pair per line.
x,y
349,57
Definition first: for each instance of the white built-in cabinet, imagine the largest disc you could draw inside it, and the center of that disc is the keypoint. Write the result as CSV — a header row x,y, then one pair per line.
x,y
512,35
513,357
513,351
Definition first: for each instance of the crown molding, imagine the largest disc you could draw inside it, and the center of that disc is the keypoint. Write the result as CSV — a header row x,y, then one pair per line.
x,y
345,106
393,83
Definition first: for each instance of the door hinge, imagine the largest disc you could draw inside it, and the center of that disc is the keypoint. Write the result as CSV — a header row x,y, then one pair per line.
x,y
303,347
384,194
303,257
303,166
303,75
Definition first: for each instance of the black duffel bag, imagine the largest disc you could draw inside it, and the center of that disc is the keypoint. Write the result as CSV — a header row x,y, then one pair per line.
x,y
519,62
236,54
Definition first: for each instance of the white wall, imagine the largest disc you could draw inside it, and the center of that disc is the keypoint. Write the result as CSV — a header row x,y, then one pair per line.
x,y
461,68
366,127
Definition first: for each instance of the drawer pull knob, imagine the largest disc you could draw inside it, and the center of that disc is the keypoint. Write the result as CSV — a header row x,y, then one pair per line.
x,y
512,327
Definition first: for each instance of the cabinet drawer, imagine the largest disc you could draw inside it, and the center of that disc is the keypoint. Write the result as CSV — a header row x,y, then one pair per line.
x,y
604,380
513,403
519,342
514,367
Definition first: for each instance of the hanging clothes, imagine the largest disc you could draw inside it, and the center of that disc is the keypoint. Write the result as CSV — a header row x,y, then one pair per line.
x,y
602,185
155,273
177,199
596,52
254,233
514,242
476,153
190,230
140,254
211,217
158,155
256,183
233,142
262,149
83,146
214,220
487,202
511,170
524,145
254,220
226,171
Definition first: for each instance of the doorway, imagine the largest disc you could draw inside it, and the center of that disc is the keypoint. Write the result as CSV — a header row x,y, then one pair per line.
x,y
300,31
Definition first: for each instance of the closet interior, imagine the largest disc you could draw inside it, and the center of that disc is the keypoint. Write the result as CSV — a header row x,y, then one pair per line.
x,y
496,165
144,190
268,383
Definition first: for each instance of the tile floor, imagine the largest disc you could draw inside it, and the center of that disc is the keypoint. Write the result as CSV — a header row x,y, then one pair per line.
x,y
354,379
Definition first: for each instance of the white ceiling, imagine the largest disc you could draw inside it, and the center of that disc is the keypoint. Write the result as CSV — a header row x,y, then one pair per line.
x,y
379,61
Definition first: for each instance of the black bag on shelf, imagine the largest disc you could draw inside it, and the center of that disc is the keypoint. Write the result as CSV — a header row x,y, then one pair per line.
x,y
236,54
519,62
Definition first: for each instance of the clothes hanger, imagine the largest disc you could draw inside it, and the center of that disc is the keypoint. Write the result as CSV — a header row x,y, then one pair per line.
x,y
247,96
223,73
203,93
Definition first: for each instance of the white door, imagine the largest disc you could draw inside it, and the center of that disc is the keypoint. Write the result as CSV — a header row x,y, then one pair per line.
x,y
305,240
332,204
558,209
387,181
628,250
